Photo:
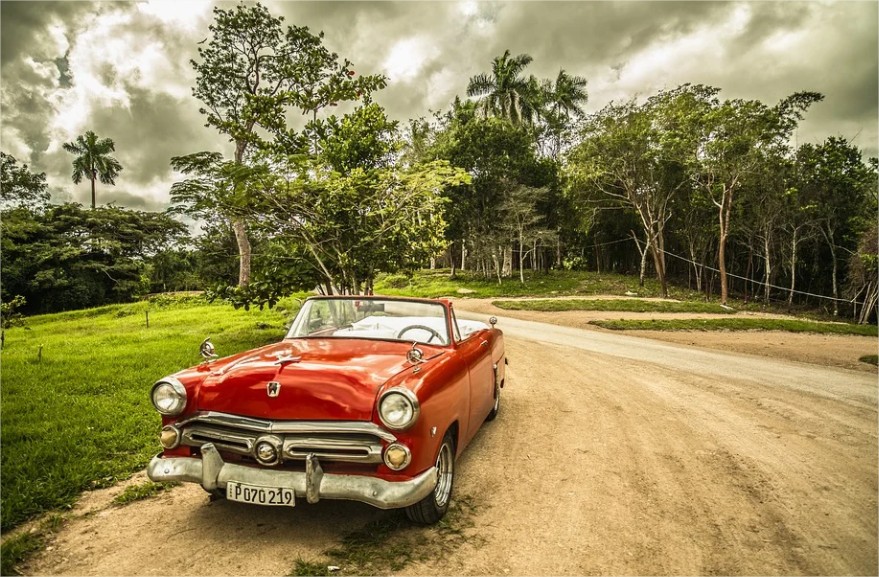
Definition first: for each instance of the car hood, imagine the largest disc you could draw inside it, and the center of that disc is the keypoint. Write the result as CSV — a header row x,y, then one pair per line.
x,y
321,379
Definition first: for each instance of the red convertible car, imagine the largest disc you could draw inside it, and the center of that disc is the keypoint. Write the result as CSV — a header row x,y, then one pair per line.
x,y
367,398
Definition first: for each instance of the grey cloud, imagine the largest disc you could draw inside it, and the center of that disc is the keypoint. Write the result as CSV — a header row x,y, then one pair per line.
x,y
150,131
585,38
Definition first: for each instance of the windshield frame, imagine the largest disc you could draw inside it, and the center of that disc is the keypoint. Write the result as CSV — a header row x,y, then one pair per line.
x,y
347,319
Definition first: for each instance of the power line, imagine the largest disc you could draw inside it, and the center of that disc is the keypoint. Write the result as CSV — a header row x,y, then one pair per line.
x,y
761,283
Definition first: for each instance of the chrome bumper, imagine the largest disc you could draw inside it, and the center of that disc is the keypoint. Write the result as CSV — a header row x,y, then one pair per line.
x,y
211,472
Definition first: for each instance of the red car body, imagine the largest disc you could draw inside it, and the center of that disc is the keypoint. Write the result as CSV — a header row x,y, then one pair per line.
x,y
319,402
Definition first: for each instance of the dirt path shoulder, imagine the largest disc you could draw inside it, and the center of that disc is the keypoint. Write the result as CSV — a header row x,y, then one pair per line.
x,y
820,349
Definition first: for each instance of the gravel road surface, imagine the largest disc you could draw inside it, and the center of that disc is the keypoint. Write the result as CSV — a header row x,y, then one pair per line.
x,y
612,454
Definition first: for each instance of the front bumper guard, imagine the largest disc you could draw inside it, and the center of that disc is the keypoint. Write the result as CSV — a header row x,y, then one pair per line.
x,y
211,472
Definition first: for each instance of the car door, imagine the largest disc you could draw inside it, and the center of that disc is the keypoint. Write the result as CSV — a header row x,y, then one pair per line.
x,y
475,350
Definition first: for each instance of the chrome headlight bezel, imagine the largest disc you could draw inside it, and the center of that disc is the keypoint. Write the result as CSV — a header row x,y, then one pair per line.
x,y
406,459
407,397
176,389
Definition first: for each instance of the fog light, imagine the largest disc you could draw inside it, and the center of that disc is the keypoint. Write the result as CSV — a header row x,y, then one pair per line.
x,y
397,456
266,453
170,437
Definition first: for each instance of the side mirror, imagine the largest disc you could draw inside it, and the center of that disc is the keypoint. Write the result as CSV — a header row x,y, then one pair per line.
x,y
492,321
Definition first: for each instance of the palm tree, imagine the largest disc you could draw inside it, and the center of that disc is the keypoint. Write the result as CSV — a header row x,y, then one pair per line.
x,y
567,95
93,160
562,99
506,93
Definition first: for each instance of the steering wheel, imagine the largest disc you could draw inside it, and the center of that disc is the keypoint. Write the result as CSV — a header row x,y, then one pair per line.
x,y
432,332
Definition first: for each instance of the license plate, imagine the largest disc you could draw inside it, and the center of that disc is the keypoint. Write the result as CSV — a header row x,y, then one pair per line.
x,y
256,495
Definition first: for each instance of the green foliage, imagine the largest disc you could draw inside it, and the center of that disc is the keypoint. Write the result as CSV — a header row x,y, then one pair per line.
x,y
19,187
67,257
10,312
870,359
629,305
254,70
760,324
66,429
93,160
505,92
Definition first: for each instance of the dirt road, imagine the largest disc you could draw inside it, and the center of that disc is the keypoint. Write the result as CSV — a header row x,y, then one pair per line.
x,y
612,455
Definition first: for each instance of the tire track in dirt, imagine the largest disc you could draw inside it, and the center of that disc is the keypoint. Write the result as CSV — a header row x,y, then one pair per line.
x,y
597,464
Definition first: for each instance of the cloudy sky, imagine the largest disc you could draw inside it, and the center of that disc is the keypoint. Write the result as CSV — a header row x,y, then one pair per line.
x,y
122,69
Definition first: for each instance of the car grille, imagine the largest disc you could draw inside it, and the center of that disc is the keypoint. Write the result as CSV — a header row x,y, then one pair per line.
x,y
346,441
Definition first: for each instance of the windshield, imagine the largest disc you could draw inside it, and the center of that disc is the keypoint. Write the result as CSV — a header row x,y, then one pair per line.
x,y
372,318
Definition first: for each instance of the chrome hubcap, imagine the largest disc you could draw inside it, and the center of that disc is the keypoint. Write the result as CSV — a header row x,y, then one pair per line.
x,y
445,471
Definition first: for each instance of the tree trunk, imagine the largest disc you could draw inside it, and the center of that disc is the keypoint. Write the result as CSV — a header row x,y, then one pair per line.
x,y
243,251
240,228
793,270
767,276
724,214
659,263
522,257
463,254
835,282
452,259
508,261
93,191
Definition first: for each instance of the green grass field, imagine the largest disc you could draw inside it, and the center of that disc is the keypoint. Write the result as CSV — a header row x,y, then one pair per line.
x,y
79,417
756,324
437,283
628,304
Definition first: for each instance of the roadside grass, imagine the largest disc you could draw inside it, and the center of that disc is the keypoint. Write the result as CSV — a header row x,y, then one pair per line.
x,y
437,283
392,542
628,304
141,491
737,324
75,396
18,548
870,359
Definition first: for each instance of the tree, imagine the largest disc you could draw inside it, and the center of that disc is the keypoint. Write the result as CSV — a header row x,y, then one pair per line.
x,y
47,260
634,156
352,208
842,188
505,92
522,219
93,160
731,137
252,72
563,100
864,276
19,187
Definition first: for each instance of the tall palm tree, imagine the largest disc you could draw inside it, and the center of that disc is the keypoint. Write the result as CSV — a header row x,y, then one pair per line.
x,y
567,95
506,92
561,100
93,160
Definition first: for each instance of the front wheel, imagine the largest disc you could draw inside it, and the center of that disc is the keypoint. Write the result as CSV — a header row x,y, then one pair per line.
x,y
433,507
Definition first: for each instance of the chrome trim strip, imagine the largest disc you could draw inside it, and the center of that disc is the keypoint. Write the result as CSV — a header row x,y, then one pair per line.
x,y
212,473
281,427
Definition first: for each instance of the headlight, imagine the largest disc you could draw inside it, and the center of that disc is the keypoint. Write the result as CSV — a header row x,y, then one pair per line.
x,y
398,408
169,396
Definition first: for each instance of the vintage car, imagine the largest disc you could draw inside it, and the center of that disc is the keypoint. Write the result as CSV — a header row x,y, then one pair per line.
x,y
367,398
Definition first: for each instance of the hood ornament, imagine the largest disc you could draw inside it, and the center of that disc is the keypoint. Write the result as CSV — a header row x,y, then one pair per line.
x,y
207,350
273,388
415,355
